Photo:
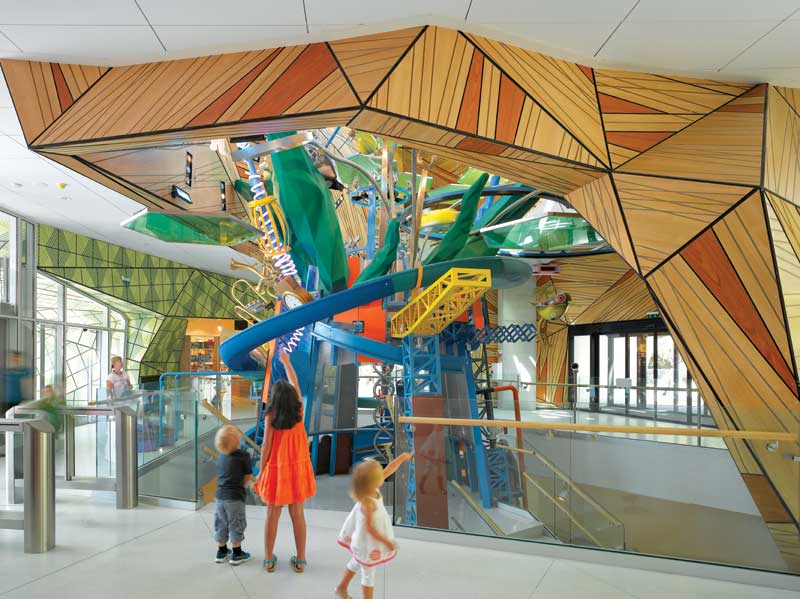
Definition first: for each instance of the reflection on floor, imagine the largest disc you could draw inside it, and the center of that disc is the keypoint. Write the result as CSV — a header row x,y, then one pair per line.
x,y
581,417
159,552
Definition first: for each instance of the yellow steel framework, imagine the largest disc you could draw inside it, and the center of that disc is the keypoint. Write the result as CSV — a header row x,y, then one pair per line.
x,y
442,302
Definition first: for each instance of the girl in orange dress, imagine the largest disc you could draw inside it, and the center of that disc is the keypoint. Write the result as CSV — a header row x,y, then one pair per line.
x,y
286,477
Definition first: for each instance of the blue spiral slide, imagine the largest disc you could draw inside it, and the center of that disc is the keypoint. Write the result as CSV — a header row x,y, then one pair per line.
x,y
235,351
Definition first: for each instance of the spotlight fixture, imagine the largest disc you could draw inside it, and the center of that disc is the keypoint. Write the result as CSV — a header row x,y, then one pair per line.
x,y
188,174
180,194
223,200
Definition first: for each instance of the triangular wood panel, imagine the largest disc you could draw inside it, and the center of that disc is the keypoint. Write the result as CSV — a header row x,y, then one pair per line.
x,y
784,222
551,363
782,160
755,397
640,110
664,214
563,88
366,60
597,203
45,90
268,83
526,167
724,146
709,261
627,299
587,278
744,234
445,80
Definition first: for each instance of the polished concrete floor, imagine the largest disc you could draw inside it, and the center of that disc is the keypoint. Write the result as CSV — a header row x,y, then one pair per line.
x,y
161,552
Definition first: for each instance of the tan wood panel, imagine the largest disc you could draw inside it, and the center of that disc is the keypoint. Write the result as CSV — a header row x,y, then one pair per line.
x,y
785,230
782,160
671,95
541,172
551,363
752,393
744,235
431,82
724,146
243,129
109,180
627,299
366,60
586,278
664,214
563,88
597,203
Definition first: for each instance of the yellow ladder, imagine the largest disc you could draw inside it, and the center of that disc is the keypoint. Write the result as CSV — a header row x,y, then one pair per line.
x,y
442,302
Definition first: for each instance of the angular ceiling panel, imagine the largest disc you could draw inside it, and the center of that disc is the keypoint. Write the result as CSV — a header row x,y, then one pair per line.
x,y
724,146
664,214
782,160
639,110
367,60
564,89
446,81
46,89
598,204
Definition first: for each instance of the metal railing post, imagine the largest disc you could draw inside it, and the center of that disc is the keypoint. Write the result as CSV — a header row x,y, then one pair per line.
x,y
40,486
10,490
69,447
127,482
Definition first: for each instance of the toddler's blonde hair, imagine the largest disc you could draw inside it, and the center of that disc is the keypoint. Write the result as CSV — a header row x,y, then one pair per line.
x,y
227,440
367,477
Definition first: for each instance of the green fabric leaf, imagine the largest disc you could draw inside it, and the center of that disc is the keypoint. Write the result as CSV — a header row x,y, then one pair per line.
x,y
384,257
311,216
458,234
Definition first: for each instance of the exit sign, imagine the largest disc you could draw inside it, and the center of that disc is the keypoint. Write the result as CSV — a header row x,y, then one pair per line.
x,y
653,315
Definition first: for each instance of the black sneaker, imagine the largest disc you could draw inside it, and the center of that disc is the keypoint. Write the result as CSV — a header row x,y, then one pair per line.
x,y
223,553
239,558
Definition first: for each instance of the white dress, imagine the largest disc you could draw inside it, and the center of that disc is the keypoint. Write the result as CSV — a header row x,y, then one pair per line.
x,y
366,549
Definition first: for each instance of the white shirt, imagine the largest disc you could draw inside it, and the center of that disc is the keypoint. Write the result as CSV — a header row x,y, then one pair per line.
x,y
119,382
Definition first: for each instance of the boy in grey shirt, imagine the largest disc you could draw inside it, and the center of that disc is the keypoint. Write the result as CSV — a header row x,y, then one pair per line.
x,y
234,471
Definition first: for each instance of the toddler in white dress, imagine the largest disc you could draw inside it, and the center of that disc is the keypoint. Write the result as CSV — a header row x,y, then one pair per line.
x,y
367,532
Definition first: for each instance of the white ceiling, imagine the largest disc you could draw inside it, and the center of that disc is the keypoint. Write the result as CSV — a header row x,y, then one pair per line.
x,y
733,39
29,187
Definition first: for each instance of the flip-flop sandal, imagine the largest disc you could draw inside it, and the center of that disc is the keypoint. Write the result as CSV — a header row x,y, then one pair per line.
x,y
269,564
298,565
340,596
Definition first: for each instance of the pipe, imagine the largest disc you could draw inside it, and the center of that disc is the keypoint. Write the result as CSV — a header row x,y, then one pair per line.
x,y
360,169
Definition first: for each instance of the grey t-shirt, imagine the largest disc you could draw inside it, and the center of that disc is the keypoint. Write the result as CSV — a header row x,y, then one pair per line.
x,y
231,470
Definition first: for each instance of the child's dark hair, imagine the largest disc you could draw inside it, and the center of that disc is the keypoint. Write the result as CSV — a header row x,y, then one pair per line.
x,y
284,406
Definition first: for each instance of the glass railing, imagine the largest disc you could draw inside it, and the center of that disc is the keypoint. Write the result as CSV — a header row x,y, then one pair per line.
x,y
584,489
619,406
178,422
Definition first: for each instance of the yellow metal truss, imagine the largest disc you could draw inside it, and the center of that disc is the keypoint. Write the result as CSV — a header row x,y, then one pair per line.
x,y
442,302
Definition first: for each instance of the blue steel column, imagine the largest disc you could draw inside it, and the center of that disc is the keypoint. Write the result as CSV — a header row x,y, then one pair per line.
x,y
482,466
421,377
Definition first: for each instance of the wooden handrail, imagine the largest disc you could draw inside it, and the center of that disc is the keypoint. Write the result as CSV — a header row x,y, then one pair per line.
x,y
224,419
604,428
563,509
560,474
478,509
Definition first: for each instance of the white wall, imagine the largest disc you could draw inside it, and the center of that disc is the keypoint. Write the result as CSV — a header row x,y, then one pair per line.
x,y
517,360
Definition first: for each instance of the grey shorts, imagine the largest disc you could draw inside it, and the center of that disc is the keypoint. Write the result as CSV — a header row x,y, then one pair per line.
x,y
230,520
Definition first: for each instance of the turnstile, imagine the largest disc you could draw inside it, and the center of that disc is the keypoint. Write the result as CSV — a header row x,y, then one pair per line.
x,y
38,517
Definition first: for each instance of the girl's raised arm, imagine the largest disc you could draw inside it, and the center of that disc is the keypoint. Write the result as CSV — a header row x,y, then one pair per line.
x,y
392,466
290,373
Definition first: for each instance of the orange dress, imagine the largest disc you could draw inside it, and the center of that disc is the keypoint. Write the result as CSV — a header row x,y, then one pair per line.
x,y
288,476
